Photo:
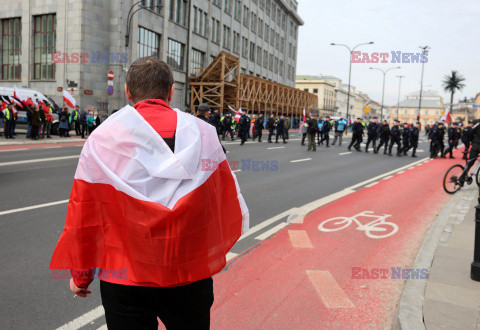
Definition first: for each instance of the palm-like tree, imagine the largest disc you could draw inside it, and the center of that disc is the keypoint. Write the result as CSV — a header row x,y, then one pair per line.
x,y
453,83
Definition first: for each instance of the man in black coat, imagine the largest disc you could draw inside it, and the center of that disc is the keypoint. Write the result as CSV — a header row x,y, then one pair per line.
x,y
327,127
384,133
244,127
438,135
312,129
227,126
454,134
406,138
357,137
270,127
372,131
214,120
280,129
414,134
259,127
467,138
395,138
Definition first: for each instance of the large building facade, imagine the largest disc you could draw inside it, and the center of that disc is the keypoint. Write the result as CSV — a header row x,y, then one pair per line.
x,y
325,90
55,45
432,109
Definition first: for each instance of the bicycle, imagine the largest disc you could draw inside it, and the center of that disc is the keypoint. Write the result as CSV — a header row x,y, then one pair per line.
x,y
452,182
378,225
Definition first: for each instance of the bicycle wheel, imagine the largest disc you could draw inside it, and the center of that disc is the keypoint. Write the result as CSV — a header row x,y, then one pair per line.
x,y
381,230
335,224
451,183
477,177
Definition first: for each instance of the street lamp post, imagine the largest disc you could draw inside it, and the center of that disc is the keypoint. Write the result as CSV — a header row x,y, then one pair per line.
x,y
350,68
383,89
425,50
399,88
130,17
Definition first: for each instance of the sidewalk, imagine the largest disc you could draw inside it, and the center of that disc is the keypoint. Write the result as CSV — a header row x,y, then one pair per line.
x,y
21,142
452,299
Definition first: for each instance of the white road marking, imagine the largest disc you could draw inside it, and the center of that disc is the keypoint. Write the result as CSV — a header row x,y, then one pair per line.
x,y
231,255
276,148
38,160
83,320
388,177
300,239
300,160
271,231
345,153
236,171
371,184
28,208
401,172
328,289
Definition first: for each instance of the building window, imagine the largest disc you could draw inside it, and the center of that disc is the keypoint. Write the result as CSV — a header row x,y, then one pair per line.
x,y
198,59
281,69
259,55
267,32
305,90
270,63
215,31
176,54
236,42
228,6
315,91
217,3
252,51
199,21
260,28
148,43
44,44
253,25
265,59
267,8
246,15
238,10
226,37
153,5
244,47
178,11
11,49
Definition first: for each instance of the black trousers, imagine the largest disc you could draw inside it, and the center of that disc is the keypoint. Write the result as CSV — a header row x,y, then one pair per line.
x,y
280,133
259,133
393,141
304,135
383,142
135,307
84,130
270,133
467,147
325,137
227,131
373,140
356,141
286,133
243,135
78,130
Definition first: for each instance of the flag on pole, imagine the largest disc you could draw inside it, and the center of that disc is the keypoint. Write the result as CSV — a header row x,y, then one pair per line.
x,y
304,115
68,99
447,117
131,203
235,111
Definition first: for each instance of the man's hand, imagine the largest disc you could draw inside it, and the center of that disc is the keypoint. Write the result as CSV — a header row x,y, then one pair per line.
x,y
81,292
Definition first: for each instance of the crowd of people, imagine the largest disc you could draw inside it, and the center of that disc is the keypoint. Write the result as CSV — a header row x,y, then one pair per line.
x,y
40,118
316,131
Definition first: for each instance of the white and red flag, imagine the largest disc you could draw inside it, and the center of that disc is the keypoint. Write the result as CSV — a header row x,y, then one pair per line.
x,y
304,116
168,218
17,94
69,99
447,117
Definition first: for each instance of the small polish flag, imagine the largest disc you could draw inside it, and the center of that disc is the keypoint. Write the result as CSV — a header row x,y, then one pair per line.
x,y
304,116
68,99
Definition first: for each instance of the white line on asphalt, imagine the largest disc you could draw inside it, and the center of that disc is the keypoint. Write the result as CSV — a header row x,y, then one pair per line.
x,y
276,148
20,149
83,320
400,172
388,177
33,207
231,255
345,153
371,184
271,231
236,171
300,160
38,160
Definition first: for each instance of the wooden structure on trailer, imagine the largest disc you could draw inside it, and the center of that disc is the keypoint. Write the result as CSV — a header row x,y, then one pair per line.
x,y
222,84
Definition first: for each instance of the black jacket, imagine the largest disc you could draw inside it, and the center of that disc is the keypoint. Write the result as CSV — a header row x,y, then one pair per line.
x,y
259,123
270,123
384,132
372,129
312,126
395,132
414,133
467,134
214,120
357,128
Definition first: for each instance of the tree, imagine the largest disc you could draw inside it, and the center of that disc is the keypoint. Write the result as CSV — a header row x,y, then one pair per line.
x,y
453,83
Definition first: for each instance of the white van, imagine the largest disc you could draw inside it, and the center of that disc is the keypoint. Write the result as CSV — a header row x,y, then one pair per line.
x,y
36,96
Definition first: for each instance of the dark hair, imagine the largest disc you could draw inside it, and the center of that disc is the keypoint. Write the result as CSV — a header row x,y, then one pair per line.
x,y
149,78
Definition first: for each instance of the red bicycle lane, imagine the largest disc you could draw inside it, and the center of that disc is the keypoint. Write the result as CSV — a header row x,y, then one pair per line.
x,y
306,278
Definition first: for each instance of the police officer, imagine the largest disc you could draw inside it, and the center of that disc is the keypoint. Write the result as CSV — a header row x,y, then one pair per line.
x,y
384,133
406,138
320,124
372,131
9,120
76,120
453,135
259,127
270,127
438,134
203,112
395,138
327,127
244,126
214,120
227,126
467,137
340,126
287,126
473,152
280,124
357,137
414,135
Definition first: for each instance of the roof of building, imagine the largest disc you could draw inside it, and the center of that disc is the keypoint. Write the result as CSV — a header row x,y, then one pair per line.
x,y
428,93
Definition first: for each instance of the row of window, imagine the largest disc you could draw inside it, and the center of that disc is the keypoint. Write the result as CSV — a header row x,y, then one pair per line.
x,y
44,36
424,112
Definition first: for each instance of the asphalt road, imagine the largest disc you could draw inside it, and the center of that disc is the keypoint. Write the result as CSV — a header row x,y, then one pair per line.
x,y
31,299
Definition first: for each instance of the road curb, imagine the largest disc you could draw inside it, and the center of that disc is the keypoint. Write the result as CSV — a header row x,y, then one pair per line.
x,y
410,308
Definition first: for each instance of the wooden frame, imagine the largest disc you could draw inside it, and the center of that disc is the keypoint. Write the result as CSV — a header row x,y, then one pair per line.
x,y
221,84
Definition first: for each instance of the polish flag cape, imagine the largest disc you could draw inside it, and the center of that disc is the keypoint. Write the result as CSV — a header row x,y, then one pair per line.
x,y
166,217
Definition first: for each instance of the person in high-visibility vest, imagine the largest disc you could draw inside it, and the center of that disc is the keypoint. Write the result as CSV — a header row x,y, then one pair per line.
x,y
76,120
9,120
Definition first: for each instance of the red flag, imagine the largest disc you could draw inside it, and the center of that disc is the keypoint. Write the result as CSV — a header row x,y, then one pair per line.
x,y
69,99
304,116
136,214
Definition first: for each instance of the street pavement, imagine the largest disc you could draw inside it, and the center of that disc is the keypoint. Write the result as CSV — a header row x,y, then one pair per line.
x,y
33,208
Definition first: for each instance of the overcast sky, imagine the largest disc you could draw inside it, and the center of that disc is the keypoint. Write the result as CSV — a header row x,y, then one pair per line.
x,y
450,28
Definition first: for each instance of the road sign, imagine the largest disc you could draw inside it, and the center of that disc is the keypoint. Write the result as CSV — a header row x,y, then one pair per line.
x,y
110,75
110,83
110,90
88,92
417,111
